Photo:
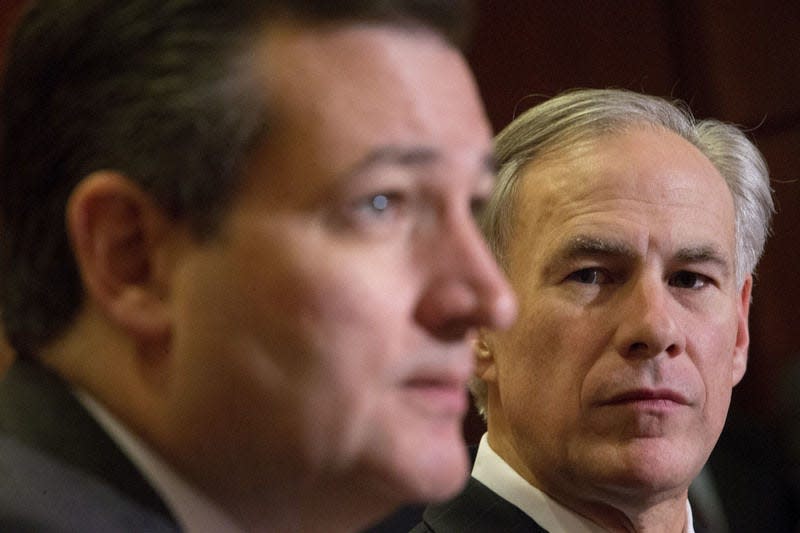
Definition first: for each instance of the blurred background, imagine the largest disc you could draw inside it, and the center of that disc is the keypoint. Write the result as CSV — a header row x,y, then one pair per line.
x,y
736,60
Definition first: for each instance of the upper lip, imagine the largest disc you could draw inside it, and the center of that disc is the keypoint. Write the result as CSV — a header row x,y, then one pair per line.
x,y
443,378
633,395
440,374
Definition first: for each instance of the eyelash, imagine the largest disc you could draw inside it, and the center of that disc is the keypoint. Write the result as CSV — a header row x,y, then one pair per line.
x,y
704,280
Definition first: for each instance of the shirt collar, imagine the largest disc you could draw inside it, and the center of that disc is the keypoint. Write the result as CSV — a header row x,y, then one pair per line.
x,y
491,470
192,509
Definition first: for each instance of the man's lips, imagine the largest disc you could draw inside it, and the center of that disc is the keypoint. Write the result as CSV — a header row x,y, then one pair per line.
x,y
441,394
662,397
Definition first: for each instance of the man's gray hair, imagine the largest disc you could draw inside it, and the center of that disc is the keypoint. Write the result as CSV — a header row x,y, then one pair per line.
x,y
582,115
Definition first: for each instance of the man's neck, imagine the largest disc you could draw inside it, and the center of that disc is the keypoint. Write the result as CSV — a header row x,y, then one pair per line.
x,y
193,510
565,513
669,516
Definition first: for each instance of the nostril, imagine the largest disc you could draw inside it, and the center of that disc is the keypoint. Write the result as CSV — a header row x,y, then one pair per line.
x,y
638,347
673,349
455,330
643,349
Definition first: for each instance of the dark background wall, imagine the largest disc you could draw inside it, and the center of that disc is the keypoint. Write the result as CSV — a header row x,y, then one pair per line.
x,y
9,10
736,60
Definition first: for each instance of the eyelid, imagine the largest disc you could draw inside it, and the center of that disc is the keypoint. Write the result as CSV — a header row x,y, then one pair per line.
x,y
366,212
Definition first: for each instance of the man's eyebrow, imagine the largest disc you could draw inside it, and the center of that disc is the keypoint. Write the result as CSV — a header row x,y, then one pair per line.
x,y
415,155
591,246
393,156
408,156
582,246
704,254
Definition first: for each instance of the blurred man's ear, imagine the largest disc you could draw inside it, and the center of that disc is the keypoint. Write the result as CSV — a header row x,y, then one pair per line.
x,y
743,331
117,234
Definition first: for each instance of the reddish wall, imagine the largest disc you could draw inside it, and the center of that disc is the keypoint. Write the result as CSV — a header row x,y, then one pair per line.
x,y
737,60
9,11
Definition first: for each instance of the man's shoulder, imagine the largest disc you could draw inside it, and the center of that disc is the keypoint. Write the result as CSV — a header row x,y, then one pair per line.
x,y
59,471
40,493
477,509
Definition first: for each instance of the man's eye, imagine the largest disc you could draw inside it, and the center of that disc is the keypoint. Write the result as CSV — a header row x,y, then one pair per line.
x,y
590,276
688,280
379,204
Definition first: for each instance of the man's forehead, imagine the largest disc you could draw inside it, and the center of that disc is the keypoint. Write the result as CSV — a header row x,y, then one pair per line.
x,y
609,179
335,53
398,99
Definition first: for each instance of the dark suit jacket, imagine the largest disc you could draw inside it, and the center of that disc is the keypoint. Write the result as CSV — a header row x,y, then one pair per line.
x,y
59,471
477,509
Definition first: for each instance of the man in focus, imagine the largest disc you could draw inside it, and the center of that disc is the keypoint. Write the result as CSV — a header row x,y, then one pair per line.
x,y
630,232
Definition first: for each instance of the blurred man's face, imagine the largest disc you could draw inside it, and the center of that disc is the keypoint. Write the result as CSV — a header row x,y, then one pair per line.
x,y
614,383
323,335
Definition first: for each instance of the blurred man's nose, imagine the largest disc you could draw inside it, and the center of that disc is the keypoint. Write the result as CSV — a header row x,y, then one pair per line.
x,y
467,288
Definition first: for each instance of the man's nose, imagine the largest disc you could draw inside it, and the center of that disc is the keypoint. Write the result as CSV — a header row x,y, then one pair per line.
x,y
466,288
647,324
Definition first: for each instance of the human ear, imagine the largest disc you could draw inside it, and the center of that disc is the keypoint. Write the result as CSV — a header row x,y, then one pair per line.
x,y
743,331
485,367
116,231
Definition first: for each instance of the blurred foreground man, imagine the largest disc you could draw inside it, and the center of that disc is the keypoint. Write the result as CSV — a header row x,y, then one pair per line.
x,y
630,232
239,263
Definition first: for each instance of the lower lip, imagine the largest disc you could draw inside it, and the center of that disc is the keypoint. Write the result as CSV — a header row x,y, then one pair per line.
x,y
438,398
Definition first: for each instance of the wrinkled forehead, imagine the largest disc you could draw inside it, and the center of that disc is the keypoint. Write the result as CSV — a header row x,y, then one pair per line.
x,y
641,178
639,160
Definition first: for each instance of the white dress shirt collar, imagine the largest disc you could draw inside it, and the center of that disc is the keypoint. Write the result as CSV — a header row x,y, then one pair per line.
x,y
491,470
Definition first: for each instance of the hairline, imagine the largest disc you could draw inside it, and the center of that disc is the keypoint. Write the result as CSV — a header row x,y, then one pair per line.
x,y
511,175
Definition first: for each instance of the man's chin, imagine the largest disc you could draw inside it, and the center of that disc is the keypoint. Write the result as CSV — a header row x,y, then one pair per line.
x,y
440,472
